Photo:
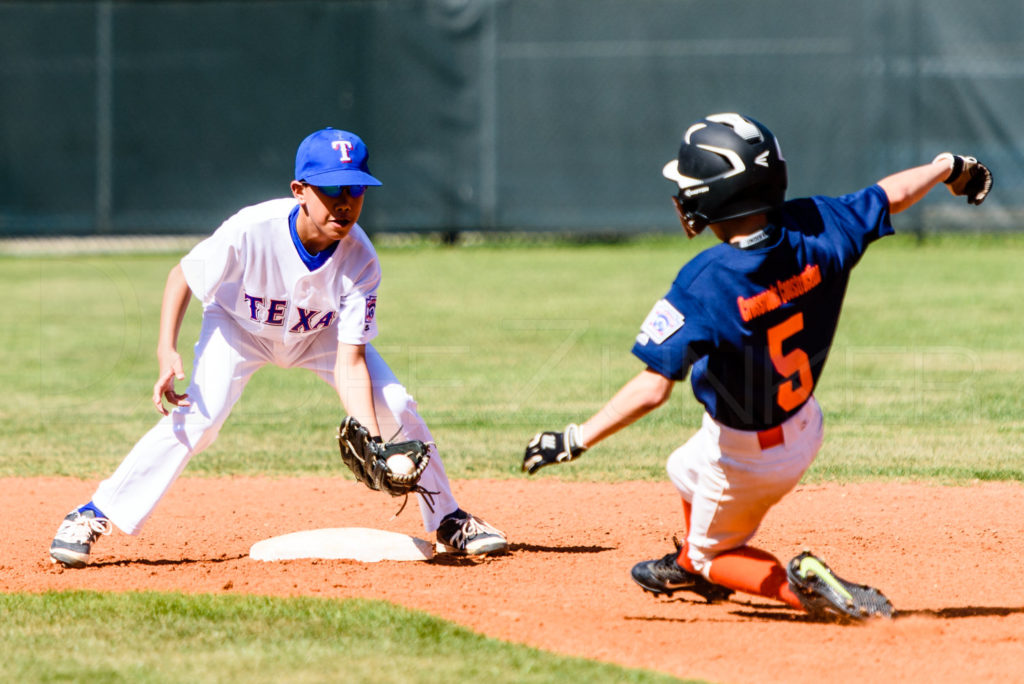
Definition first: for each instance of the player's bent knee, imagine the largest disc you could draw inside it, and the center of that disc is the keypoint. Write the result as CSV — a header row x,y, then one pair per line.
x,y
680,474
197,431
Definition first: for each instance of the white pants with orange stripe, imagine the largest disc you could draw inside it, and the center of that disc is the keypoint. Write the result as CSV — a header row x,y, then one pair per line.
x,y
731,480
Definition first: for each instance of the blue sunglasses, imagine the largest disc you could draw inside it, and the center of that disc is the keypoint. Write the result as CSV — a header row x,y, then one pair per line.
x,y
354,191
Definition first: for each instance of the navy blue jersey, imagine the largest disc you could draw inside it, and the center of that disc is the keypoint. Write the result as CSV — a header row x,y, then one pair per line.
x,y
756,324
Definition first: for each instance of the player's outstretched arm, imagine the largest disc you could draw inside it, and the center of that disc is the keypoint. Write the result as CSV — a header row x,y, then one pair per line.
x,y
965,176
172,312
638,397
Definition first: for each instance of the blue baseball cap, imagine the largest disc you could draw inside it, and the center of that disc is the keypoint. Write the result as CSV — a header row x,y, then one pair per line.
x,y
333,157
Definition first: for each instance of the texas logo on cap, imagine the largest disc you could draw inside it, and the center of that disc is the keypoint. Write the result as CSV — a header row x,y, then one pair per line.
x,y
333,157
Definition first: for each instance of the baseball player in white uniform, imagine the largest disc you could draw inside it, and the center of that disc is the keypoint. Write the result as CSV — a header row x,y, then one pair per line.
x,y
292,282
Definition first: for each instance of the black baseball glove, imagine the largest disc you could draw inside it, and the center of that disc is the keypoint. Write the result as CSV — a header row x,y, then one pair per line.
x,y
967,177
367,458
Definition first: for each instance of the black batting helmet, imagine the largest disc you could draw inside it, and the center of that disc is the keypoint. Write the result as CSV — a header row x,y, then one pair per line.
x,y
729,166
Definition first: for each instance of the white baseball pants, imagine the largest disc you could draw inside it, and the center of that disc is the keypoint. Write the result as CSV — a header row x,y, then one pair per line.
x,y
225,359
731,481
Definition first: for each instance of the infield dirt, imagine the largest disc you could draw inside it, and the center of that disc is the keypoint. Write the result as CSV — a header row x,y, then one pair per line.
x,y
947,557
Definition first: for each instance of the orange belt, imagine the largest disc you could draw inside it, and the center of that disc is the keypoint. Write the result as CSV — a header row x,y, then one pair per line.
x,y
772,437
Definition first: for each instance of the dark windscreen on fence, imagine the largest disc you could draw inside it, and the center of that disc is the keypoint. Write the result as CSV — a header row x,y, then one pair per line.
x,y
165,117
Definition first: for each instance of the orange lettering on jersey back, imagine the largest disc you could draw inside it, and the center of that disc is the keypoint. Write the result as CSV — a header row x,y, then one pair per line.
x,y
778,294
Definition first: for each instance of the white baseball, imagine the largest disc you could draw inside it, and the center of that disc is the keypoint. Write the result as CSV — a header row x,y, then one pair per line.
x,y
400,464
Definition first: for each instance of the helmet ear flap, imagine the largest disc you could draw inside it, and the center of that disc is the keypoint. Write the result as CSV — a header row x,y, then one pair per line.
x,y
693,223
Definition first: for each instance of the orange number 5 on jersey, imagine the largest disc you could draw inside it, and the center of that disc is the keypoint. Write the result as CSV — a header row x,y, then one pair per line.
x,y
790,396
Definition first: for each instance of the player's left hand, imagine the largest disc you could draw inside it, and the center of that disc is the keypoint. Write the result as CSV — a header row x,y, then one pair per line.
x,y
553,447
370,460
967,177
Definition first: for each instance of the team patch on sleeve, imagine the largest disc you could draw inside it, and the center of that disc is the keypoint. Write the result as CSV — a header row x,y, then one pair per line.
x,y
371,311
662,322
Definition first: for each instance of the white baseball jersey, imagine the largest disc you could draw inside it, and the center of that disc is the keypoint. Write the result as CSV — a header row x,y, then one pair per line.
x,y
249,267
262,304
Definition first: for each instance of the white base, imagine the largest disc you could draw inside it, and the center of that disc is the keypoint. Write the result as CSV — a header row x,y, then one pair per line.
x,y
352,543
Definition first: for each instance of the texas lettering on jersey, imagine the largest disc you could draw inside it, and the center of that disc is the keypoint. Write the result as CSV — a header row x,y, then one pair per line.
x,y
275,312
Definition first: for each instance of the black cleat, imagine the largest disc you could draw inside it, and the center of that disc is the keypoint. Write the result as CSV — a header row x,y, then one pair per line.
x,y
829,598
467,535
664,576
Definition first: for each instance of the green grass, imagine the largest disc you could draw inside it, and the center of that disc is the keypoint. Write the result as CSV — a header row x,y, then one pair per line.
x,y
152,637
925,382
496,342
